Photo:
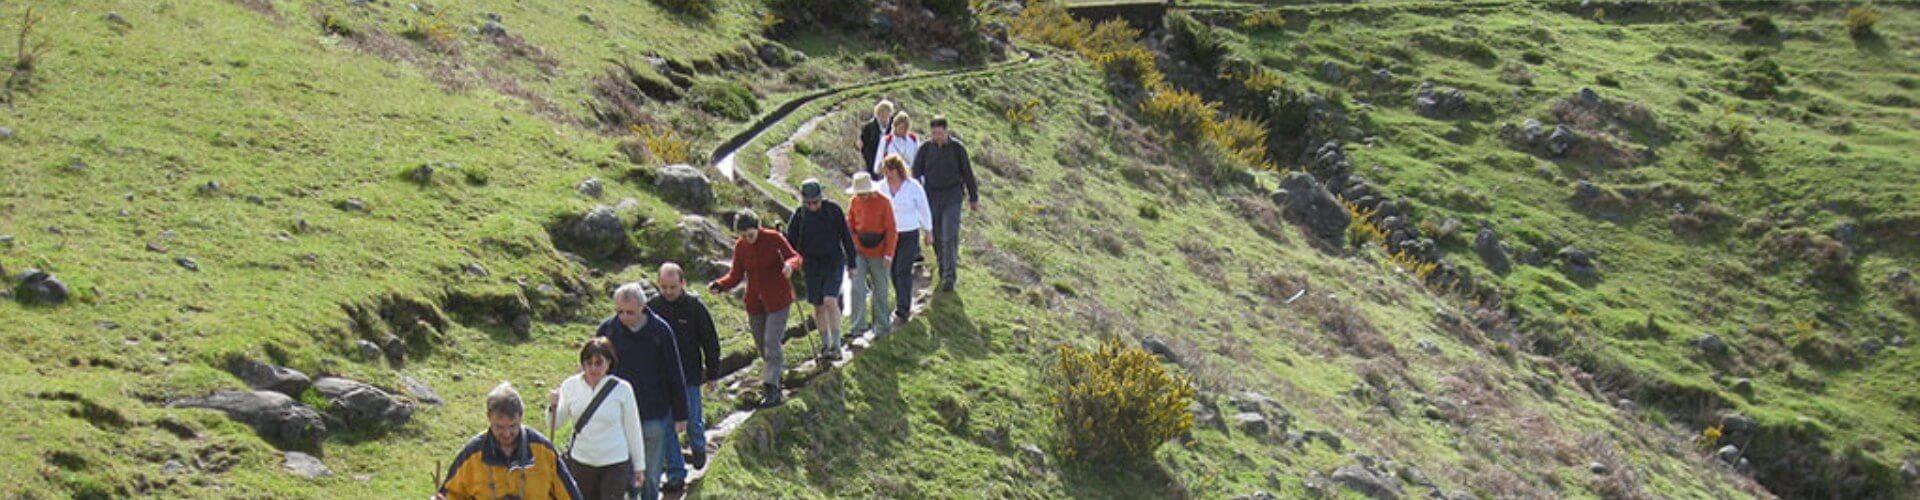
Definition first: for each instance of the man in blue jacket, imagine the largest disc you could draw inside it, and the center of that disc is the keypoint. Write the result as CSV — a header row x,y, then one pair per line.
x,y
819,232
650,363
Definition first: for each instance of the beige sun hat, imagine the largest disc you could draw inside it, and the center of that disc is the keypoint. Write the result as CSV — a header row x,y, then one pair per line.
x,y
862,184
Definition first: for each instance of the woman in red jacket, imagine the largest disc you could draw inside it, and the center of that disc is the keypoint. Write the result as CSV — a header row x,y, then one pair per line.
x,y
764,259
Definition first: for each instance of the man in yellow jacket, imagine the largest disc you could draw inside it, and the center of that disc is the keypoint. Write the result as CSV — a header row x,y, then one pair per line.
x,y
509,461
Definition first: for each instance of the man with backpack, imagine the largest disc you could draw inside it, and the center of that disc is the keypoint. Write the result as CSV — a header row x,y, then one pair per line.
x,y
819,232
942,166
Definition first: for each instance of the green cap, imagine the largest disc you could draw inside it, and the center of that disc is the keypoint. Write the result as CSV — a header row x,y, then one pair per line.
x,y
810,189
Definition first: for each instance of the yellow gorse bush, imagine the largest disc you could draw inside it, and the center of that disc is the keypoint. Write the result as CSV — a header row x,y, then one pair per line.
x,y
1113,47
1180,112
664,144
1244,140
1363,229
1263,19
1116,402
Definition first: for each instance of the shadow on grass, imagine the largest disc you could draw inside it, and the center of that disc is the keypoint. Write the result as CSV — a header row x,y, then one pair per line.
x,y
1143,480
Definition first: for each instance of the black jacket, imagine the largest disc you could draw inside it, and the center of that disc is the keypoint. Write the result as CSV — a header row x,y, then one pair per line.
x,y
945,168
870,144
821,235
693,327
650,362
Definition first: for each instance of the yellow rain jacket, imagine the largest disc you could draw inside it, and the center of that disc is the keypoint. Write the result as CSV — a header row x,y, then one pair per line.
x,y
533,472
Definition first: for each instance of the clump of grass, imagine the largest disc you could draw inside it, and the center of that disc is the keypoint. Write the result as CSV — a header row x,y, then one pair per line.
x,y
333,25
1826,257
1760,78
1728,134
695,8
1607,80
880,62
1861,20
1116,403
26,57
1472,50
1759,26
725,98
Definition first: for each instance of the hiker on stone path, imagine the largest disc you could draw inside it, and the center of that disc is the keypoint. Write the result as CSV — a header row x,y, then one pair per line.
x,y
763,259
650,363
605,452
902,141
818,230
870,219
913,220
699,363
876,127
942,165
507,460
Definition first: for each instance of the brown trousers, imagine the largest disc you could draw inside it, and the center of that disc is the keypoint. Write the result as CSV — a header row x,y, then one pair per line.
x,y
602,483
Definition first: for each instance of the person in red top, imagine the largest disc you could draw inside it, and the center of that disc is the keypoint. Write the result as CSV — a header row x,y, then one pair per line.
x,y
764,259
870,218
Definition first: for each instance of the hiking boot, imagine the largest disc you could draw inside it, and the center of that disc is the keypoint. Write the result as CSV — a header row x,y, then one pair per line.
x,y
946,286
832,356
699,459
770,395
674,485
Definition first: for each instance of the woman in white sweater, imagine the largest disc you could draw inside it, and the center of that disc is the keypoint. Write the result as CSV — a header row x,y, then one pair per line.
x,y
606,454
913,218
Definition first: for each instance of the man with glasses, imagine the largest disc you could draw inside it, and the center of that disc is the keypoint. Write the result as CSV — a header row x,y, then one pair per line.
x,y
650,363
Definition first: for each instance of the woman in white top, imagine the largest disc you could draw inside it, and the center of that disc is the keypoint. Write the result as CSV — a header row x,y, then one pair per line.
x,y
913,218
606,454
900,140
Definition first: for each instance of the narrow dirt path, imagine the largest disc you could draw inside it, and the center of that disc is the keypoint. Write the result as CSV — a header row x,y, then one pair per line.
x,y
780,157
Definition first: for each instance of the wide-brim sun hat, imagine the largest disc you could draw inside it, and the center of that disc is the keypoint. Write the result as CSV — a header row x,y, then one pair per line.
x,y
862,184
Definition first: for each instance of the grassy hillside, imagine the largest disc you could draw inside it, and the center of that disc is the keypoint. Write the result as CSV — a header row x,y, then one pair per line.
x,y
1093,230
1755,184
220,179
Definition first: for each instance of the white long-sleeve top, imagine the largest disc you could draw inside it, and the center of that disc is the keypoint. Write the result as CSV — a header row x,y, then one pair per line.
x,y
613,434
904,145
911,210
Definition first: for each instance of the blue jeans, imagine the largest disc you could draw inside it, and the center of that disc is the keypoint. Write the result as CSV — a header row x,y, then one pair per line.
x,y
696,434
946,231
903,257
657,435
